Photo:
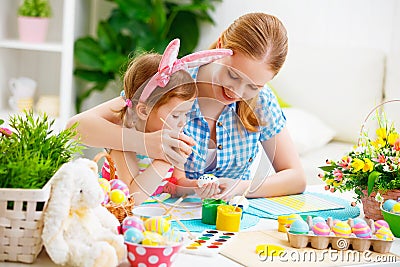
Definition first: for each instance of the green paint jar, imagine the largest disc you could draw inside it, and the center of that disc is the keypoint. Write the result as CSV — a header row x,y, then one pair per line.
x,y
209,210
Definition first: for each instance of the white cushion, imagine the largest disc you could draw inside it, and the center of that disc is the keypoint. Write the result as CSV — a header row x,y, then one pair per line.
x,y
340,85
307,130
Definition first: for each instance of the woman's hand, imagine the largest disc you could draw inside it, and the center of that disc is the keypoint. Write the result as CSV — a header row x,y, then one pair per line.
x,y
230,188
208,190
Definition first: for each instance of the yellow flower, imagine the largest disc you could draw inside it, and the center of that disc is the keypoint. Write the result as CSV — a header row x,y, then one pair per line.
x,y
357,164
336,183
381,133
368,166
392,138
378,143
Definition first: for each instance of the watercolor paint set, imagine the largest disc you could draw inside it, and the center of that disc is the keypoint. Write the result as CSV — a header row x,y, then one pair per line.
x,y
208,243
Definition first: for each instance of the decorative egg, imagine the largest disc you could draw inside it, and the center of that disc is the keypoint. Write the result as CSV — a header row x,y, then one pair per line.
x,y
157,224
384,233
207,178
396,208
118,184
173,235
388,204
106,199
152,239
299,226
321,228
362,230
292,218
318,219
132,222
241,201
341,229
380,223
105,185
133,235
358,220
117,196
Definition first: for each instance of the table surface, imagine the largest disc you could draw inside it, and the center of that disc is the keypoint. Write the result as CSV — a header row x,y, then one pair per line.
x,y
217,260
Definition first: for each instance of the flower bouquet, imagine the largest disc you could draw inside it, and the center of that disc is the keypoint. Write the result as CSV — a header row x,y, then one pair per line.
x,y
372,166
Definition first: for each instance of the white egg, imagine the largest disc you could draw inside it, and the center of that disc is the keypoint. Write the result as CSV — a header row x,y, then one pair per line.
x,y
207,178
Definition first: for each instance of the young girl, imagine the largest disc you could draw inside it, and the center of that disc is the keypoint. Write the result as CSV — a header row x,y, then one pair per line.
x,y
234,112
156,90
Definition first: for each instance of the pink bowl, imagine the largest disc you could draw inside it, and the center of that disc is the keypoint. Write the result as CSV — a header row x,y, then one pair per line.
x,y
152,255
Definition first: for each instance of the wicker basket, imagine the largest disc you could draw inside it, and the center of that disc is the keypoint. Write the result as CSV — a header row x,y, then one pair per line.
x,y
371,207
123,210
21,223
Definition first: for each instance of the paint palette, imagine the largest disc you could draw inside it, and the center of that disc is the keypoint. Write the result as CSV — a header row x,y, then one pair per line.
x,y
208,243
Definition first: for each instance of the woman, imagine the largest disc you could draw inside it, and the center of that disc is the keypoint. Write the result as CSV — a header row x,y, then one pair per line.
x,y
234,111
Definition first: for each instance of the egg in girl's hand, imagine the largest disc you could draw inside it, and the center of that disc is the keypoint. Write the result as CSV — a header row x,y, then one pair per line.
x,y
118,184
132,222
133,235
207,178
117,196
157,224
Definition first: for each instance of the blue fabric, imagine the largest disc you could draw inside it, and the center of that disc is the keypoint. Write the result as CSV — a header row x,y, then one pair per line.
x,y
340,214
247,221
236,146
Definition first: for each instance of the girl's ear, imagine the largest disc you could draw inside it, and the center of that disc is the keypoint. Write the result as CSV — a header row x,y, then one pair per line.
x,y
141,111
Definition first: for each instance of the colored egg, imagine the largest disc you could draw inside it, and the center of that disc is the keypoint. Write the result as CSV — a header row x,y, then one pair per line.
x,y
341,229
152,239
358,220
299,226
117,196
173,235
207,178
105,185
388,204
132,222
292,218
318,219
157,224
321,228
362,230
384,233
396,208
380,223
118,184
106,199
133,235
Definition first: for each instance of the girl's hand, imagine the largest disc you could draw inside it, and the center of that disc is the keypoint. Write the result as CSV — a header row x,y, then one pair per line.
x,y
169,145
230,188
208,190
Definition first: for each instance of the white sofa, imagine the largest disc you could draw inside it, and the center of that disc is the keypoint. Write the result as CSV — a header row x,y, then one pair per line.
x,y
330,92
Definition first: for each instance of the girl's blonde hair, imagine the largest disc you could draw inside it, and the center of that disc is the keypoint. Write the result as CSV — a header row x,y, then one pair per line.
x,y
138,74
261,37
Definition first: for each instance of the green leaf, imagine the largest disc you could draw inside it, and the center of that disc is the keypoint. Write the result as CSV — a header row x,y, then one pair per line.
x,y
87,51
186,28
107,36
113,61
372,177
93,76
327,168
1,121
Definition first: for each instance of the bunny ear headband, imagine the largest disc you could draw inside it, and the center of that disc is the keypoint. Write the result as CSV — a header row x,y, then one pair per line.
x,y
170,64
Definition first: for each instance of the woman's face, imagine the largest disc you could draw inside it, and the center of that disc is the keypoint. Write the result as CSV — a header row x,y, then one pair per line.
x,y
173,113
239,77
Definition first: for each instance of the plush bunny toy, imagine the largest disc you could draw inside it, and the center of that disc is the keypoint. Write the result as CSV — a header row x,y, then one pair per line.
x,y
78,231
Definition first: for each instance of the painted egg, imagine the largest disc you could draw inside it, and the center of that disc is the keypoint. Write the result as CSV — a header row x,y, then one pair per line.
x,y
388,204
292,218
132,222
321,228
117,196
157,224
133,235
384,233
152,239
358,220
362,230
106,199
207,178
118,184
396,208
299,226
380,223
105,185
318,219
173,235
341,229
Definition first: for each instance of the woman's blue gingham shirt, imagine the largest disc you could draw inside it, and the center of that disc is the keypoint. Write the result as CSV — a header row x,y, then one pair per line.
x,y
236,146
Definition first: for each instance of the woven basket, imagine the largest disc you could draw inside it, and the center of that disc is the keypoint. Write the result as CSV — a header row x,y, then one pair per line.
x,y
120,211
371,207
21,223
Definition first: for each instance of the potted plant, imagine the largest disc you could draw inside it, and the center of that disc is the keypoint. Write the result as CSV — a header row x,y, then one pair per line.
x,y
30,154
33,20
372,167
135,25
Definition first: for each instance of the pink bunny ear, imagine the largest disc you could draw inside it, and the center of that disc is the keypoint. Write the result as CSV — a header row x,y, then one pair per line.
x,y
201,58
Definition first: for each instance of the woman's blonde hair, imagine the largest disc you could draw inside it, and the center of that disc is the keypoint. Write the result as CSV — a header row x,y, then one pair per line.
x,y
138,74
261,37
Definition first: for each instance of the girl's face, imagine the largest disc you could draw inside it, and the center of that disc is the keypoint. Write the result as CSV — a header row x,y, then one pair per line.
x,y
239,77
173,113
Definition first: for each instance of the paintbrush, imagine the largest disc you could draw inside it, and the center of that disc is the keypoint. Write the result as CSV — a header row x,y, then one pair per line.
x,y
194,151
174,205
